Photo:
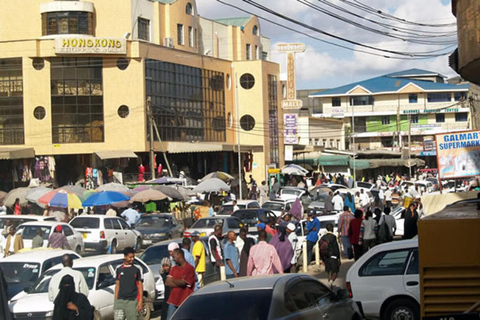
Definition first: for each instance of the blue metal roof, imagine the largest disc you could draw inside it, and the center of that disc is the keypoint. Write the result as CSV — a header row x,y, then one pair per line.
x,y
413,73
392,83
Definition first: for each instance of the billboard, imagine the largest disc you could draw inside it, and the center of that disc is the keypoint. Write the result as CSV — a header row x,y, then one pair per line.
x,y
290,122
458,154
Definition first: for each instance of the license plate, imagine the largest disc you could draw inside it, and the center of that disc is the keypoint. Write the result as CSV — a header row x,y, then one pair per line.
x,y
84,235
202,234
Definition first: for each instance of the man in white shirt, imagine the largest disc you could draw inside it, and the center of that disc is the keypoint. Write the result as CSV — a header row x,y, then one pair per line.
x,y
80,283
3,208
235,207
390,222
388,198
365,201
337,202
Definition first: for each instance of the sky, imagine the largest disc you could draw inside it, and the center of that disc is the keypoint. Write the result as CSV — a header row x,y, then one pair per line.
x,y
324,65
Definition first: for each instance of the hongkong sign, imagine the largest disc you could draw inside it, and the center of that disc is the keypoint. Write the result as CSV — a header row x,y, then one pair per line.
x,y
79,45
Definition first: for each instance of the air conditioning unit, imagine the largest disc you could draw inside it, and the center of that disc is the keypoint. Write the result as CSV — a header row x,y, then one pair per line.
x,y
168,42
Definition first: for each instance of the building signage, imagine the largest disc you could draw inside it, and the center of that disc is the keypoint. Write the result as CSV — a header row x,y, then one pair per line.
x,y
430,111
290,122
291,47
426,126
291,101
458,154
84,45
292,104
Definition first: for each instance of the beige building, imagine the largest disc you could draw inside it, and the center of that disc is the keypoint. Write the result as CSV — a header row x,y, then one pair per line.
x,y
77,79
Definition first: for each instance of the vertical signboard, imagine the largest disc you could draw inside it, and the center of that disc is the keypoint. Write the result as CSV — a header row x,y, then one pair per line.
x,y
290,121
290,49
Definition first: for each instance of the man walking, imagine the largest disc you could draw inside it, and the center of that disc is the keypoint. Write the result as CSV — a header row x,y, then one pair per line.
x,y
337,201
231,257
58,240
292,237
263,257
216,256
364,199
14,242
388,197
182,281
263,190
343,231
331,254
128,288
78,278
390,223
199,256
313,227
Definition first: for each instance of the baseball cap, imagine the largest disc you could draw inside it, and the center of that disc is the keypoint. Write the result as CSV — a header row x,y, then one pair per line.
x,y
291,227
261,225
58,228
312,212
195,234
172,246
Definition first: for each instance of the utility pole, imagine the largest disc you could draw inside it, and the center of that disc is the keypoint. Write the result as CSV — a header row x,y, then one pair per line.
x,y
238,139
354,147
398,123
150,131
152,126
409,144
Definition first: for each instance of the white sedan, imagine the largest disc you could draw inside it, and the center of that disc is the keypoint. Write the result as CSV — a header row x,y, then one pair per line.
x,y
28,230
99,272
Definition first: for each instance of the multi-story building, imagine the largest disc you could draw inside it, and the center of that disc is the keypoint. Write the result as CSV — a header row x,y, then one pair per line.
x,y
382,111
79,78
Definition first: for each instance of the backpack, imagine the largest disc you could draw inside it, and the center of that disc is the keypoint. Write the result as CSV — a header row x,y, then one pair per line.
x,y
324,247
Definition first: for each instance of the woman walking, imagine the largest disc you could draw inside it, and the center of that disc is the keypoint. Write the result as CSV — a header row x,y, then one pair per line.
x,y
368,232
355,227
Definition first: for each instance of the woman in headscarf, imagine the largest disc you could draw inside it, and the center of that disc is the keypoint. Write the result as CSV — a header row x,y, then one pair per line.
x,y
164,271
70,305
410,228
284,248
349,202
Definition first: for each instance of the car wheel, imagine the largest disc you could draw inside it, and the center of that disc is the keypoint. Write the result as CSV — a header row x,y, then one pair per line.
x,y
145,312
138,245
114,247
402,309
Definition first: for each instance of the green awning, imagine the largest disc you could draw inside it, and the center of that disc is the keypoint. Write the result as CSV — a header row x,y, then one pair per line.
x,y
333,160
360,164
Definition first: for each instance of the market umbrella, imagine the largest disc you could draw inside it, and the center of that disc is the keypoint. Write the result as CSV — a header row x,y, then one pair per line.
x,y
47,197
186,193
294,169
166,180
63,199
148,195
142,188
20,193
34,194
219,175
88,193
112,186
211,185
104,198
79,191
170,192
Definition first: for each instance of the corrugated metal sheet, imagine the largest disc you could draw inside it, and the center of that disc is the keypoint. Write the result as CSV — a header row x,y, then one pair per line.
x,y
16,153
115,154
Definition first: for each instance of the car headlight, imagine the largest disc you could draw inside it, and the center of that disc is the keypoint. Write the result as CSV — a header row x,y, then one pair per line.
x,y
159,234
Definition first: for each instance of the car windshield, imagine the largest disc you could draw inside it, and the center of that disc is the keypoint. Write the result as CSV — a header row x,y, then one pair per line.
x,y
226,209
154,221
291,192
29,232
155,254
207,223
320,197
366,185
88,223
273,206
248,304
41,285
20,272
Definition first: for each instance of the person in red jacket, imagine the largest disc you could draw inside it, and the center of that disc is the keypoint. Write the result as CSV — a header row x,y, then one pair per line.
x,y
354,232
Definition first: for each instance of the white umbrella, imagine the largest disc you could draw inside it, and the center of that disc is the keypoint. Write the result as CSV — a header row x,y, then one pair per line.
x,y
35,194
294,169
211,185
112,186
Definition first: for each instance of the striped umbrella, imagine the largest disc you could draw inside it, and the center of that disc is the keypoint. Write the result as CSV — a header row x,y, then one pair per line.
x,y
63,199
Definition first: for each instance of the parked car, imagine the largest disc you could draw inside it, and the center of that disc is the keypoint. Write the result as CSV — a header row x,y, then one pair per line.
x,y
28,230
292,193
227,208
367,186
23,269
425,186
102,232
385,281
158,227
99,273
332,186
205,225
18,220
289,296
318,202
251,217
399,214
278,205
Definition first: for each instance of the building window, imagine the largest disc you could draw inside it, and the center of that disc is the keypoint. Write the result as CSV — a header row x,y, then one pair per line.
x,y
67,22
385,120
11,102
338,144
39,113
247,81
188,103
38,63
247,122
461,117
412,98
189,9
387,142
257,53
249,51
264,56
440,117
361,124
273,119
324,143
77,100
190,37
143,29
255,30
123,111
336,102
414,118
439,97
460,96
180,34
361,100
122,63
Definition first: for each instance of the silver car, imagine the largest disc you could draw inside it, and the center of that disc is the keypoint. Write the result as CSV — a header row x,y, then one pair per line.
x,y
289,296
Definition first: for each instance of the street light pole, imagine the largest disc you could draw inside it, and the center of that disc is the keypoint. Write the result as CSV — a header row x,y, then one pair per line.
x,y
354,148
238,138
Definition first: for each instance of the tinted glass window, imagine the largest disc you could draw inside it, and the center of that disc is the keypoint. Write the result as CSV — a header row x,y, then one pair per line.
x,y
88,223
315,292
104,275
124,224
207,223
154,254
226,209
67,231
275,206
50,263
385,264
41,285
29,232
233,223
252,304
253,205
296,297
116,224
413,265
108,224
153,221
20,272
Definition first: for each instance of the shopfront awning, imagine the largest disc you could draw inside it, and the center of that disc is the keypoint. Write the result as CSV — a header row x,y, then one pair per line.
x,y
375,163
333,160
115,154
195,147
16,153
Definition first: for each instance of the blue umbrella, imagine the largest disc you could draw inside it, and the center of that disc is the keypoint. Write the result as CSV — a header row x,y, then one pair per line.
x,y
104,198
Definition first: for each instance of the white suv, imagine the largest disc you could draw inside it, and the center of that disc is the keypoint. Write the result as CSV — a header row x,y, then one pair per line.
x,y
385,281
102,233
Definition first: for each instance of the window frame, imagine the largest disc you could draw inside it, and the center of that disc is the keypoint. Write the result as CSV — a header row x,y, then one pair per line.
x,y
436,97
191,42
76,22
143,29
442,115
180,34
459,116
414,118
248,51
413,98
336,101
385,120
383,254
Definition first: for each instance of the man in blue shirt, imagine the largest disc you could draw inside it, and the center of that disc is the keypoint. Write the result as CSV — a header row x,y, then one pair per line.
x,y
211,212
231,257
313,227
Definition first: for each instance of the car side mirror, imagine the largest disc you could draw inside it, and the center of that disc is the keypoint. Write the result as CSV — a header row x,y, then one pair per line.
x,y
27,289
342,294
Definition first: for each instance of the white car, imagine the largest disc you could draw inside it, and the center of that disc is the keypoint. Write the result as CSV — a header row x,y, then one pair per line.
x,y
291,193
326,219
104,233
99,272
399,214
278,205
17,220
385,281
23,269
28,231
227,208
